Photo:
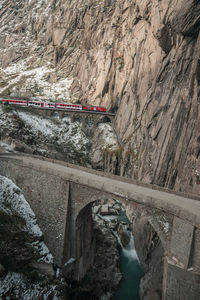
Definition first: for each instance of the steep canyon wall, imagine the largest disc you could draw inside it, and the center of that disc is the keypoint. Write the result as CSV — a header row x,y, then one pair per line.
x,y
138,58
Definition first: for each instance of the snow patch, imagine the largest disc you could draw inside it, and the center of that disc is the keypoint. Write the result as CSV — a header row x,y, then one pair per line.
x,y
35,80
7,147
70,261
18,285
63,130
44,251
108,135
62,135
37,123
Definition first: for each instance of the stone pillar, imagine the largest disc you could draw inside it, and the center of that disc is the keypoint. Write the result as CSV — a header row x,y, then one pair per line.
x,y
180,284
83,122
181,242
195,257
84,233
69,244
96,119
112,120
60,113
181,280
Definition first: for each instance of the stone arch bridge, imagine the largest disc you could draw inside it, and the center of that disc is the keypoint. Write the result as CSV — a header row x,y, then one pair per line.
x,y
61,196
89,119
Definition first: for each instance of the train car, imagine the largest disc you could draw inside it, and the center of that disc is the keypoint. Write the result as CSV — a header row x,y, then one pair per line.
x,y
15,102
100,108
48,105
94,108
34,103
68,106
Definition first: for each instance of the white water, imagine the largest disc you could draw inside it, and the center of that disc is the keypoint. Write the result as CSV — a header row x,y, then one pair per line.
x,y
130,251
131,271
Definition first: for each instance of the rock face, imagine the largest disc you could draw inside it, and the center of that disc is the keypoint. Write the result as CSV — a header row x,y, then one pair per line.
x,y
150,252
31,133
103,278
34,132
21,241
26,270
139,58
123,235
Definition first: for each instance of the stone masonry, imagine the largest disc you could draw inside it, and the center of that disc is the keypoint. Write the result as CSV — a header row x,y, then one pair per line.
x,y
61,197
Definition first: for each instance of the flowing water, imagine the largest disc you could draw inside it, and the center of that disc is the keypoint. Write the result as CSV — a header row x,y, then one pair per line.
x,y
131,271
129,265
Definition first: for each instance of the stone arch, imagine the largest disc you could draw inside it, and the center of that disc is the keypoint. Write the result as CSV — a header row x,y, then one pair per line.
x,y
106,119
93,248
84,232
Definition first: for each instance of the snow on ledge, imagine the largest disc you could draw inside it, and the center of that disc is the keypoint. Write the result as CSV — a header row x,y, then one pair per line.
x,y
24,290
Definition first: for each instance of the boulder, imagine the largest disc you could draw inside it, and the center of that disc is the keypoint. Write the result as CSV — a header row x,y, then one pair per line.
x,y
104,209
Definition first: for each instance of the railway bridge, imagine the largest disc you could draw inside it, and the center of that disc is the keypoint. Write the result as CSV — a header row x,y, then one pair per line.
x,y
61,195
89,118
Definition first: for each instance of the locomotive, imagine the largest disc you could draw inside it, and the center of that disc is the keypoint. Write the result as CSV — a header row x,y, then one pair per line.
x,y
51,105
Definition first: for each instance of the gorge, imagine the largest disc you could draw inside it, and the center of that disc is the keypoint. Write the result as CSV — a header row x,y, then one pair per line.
x,y
140,60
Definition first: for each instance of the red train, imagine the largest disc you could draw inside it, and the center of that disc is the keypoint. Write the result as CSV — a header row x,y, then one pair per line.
x,y
51,105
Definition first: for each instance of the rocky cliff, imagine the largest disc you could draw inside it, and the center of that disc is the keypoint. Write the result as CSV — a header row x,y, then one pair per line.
x,y
26,265
151,253
138,58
